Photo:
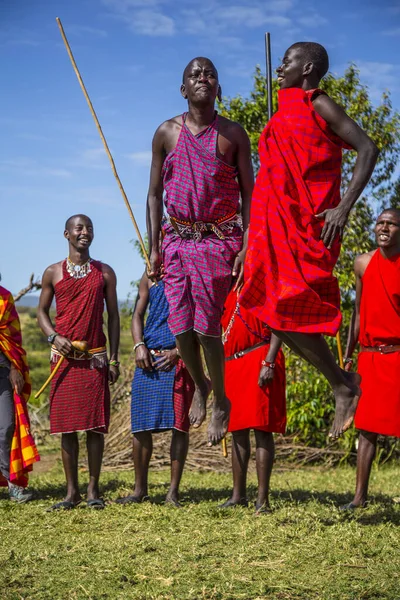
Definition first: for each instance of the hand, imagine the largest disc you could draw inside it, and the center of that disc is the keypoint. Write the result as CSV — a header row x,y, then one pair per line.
x,y
143,358
266,376
238,269
16,380
156,270
348,366
167,360
335,221
63,345
113,374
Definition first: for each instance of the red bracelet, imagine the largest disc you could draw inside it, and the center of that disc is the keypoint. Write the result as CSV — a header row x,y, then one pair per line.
x,y
266,363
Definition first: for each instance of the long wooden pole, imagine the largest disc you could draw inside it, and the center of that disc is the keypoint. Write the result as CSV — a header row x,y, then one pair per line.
x,y
121,187
268,73
340,351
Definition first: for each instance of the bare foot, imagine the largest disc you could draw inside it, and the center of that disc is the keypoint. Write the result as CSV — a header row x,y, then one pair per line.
x,y
231,503
262,508
346,398
198,411
218,425
173,498
133,499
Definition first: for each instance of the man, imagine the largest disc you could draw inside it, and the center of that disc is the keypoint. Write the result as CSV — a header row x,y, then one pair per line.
x,y
17,447
162,391
298,217
376,325
255,385
80,396
202,162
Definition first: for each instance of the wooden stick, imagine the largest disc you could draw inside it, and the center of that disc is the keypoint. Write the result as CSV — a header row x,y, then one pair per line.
x,y
54,371
224,448
121,187
340,351
268,73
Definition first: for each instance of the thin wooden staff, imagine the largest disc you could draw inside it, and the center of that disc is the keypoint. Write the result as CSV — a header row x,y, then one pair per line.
x,y
82,346
121,187
268,73
339,349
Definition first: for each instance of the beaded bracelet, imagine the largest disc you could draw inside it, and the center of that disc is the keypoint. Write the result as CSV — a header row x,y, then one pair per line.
x,y
114,363
266,363
136,346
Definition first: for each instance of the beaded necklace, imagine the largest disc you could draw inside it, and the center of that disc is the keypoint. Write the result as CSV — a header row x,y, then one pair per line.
x,y
227,331
78,271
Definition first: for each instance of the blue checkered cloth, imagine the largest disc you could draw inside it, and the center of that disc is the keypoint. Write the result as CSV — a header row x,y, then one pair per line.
x,y
152,406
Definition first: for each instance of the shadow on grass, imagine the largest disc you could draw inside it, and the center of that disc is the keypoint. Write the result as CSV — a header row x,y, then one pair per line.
x,y
48,491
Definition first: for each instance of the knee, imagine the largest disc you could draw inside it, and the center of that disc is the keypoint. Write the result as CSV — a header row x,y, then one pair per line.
x,y
209,342
241,436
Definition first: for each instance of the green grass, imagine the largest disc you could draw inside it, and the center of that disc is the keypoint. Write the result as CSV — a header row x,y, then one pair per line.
x,y
305,549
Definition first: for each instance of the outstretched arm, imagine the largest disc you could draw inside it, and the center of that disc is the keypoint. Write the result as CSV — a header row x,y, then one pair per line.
x,y
367,154
154,209
110,295
246,183
62,344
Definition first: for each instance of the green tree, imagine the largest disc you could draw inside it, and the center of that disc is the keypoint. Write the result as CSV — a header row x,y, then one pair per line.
x,y
310,402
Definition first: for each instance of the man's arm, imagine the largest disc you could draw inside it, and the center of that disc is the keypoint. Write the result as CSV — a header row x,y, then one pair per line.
x,y
62,344
154,208
367,154
354,329
142,355
246,183
267,373
110,295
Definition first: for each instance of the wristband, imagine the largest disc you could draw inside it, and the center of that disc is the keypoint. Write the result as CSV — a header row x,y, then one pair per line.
x,y
266,363
136,346
114,363
348,361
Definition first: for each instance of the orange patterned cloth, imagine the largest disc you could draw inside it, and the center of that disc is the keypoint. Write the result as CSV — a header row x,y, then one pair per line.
x,y
23,449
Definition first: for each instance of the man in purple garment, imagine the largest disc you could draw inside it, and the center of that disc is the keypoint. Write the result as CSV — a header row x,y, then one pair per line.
x,y
202,163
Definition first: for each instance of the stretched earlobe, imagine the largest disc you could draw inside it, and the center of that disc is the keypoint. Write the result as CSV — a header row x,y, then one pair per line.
x,y
183,91
219,93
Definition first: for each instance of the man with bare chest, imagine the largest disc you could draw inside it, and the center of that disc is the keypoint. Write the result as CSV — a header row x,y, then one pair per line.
x,y
202,171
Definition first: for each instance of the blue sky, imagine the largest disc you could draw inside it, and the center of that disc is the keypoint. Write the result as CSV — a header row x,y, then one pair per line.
x,y
131,54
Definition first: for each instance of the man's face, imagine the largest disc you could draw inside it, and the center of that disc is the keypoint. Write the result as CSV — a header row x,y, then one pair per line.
x,y
200,82
80,233
291,71
387,230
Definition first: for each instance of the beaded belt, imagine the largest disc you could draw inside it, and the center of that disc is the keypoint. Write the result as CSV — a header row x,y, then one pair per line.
x,y
382,349
97,356
196,231
243,352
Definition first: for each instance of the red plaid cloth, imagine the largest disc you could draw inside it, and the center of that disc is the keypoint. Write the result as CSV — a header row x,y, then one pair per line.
x,y
198,187
183,396
79,396
288,272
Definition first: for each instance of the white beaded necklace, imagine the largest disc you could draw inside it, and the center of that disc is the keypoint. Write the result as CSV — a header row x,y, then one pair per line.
x,y
78,271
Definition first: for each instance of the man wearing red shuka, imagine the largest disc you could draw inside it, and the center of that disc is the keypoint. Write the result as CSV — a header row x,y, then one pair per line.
x,y
298,216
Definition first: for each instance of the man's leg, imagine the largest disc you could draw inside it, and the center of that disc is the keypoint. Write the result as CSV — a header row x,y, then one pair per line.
x,y
215,361
95,449
70,453
142,451
189,349
265,454
7,425
179,449
365,456
240,463
345,386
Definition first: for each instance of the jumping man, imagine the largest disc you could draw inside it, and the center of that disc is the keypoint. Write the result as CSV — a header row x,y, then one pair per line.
x,y
298,217
202,163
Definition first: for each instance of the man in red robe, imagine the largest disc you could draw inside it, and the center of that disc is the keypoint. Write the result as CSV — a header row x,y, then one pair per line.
x,y
376,325
255,386
80,396
298,217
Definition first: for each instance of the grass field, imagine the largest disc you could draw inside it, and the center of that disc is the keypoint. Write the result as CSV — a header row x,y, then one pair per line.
x,y
305,549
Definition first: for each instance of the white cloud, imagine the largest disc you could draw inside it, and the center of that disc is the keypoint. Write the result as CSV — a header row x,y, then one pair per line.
x,y
143,16
313,20
94,158
28,167
379,77
142,159
83,30
392,32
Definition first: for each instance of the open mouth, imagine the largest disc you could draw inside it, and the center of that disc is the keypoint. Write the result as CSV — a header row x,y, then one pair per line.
x,y
383,237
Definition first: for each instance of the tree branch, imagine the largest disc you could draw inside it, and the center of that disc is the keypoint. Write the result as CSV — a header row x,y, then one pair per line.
x,y
32,285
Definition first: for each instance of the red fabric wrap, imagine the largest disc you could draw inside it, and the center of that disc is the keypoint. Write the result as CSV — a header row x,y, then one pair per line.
x,y
288,271
80,396
251,406
378,410
182,398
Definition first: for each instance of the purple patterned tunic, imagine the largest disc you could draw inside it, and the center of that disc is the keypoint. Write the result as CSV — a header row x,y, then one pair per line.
x,y
199,187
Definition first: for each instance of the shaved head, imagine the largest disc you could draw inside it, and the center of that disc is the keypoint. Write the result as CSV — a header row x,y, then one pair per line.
x,y
393,211
69,222
199,59
314,53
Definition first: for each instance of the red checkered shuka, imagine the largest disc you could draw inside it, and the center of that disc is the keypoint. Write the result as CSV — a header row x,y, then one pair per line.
x,y
288,272
198,186
79,396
